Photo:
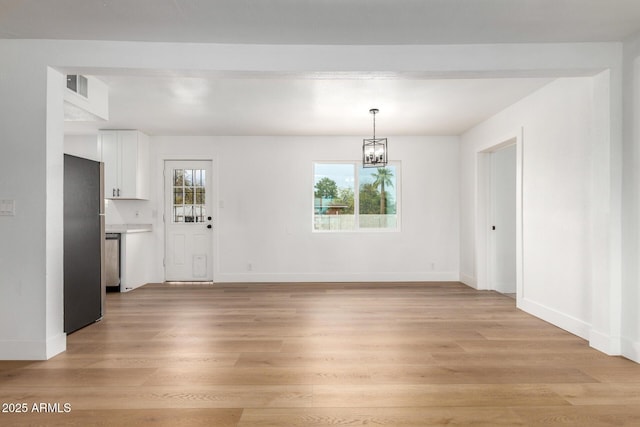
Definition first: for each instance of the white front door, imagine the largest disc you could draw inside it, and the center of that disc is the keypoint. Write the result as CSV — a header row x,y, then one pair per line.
x,y
188,220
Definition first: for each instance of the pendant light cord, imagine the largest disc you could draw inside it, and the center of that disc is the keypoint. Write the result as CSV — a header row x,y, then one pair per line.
x,y
374,111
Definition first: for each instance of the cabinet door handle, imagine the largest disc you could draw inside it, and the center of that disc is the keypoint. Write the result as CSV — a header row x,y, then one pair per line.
x,y
114,192
118,192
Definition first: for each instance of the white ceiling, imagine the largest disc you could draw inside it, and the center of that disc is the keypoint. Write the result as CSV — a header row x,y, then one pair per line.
x,y
272,106
163,104
322,21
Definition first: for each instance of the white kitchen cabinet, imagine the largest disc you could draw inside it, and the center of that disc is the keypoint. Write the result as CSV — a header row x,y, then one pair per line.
x,y
136,260
125,154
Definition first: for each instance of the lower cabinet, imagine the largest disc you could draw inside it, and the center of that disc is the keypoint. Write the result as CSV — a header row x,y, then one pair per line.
x,y
129,250
136,260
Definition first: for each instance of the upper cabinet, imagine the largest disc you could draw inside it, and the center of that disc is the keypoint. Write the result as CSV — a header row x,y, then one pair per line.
x,y
125,154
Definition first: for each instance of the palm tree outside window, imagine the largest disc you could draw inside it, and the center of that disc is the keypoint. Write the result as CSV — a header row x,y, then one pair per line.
x,y
378,198
338,207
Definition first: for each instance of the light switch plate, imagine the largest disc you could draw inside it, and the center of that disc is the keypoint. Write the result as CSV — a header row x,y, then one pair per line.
x,y
7,207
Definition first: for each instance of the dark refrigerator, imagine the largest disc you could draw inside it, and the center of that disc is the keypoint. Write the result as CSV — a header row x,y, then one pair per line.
x,y
84,289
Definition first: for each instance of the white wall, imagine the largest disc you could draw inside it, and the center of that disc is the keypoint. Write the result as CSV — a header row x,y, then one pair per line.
x,y
631,200
30,277
55,338
85,146
558,130
266,218
30,172
94,107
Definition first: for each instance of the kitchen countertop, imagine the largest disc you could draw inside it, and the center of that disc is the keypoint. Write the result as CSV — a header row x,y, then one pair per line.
x,y
128,228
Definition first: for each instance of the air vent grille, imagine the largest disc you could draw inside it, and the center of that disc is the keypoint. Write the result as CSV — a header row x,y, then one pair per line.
x,y
78,84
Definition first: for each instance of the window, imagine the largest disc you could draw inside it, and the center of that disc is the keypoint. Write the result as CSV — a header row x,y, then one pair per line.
x,y
338,206
378,198
189,195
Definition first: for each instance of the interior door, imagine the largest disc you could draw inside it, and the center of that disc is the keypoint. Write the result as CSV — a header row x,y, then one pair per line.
x,y
188,220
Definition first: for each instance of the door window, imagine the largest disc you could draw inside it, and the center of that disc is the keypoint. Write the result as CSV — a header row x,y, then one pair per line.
x,y
189,196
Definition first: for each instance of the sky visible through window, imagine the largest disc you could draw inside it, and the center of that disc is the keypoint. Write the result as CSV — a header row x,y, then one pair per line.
x,y
343,175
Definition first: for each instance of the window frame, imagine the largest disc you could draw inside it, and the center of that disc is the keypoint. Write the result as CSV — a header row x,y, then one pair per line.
x,y
357,166
194,197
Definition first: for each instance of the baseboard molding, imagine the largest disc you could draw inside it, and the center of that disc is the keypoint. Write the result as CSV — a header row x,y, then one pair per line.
x,y
605,343
33,350
23,350
568,323
469,280
56,345
446,276
630,349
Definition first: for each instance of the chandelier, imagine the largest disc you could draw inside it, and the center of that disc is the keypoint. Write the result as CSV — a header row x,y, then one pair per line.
x,y
374,150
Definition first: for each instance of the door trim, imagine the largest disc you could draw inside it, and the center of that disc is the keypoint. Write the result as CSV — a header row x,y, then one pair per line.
x,y
483,251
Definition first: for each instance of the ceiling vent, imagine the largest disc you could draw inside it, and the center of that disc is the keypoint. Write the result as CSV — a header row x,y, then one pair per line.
x,y
82,106
78,84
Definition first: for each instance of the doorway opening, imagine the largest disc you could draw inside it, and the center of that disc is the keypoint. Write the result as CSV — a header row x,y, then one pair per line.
x,y
499,227
502,241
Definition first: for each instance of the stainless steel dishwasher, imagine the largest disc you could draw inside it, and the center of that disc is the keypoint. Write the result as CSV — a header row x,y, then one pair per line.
x,y
112,261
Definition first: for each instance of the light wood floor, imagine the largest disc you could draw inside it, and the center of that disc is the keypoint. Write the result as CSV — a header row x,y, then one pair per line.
x,y
415,354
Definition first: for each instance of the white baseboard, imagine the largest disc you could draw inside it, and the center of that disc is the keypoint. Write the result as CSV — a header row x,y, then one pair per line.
x,y
440,276
32,350
568,323
631,349
469,280
612,346
605,343
56,345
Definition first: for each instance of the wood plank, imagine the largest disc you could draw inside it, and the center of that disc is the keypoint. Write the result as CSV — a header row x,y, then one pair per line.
x,y
393,417
396,354
592,416
129,417
410,395
192,396
599,394
261,376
